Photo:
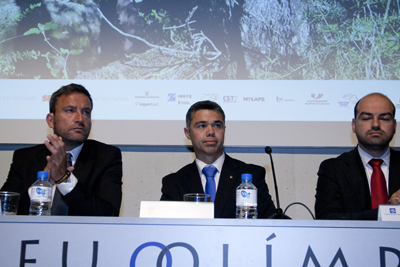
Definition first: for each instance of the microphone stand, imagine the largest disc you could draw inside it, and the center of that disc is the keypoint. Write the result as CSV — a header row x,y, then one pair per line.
x,y
279,212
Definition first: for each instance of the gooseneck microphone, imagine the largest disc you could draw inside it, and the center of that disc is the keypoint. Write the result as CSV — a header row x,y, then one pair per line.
x,y
279,213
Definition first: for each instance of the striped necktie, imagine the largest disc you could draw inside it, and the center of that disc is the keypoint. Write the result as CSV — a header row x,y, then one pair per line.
x,y
59,207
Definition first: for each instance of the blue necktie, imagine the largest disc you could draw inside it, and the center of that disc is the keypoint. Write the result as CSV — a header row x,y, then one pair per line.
x,y
209,171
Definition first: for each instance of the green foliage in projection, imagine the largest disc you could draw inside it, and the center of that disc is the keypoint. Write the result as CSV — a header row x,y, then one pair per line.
x,y
61,57
159,27
359,41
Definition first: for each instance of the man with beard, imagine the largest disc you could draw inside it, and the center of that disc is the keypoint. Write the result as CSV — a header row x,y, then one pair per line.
x,y
89,182
353,185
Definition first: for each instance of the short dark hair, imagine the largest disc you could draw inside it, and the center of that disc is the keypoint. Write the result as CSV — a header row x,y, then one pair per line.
x,y
68,90
355,107
208,105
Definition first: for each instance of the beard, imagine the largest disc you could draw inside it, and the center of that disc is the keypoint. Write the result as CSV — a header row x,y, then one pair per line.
x,y
71,138
374,143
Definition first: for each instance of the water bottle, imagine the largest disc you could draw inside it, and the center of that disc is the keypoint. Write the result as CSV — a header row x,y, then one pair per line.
x,y
246,198
41,195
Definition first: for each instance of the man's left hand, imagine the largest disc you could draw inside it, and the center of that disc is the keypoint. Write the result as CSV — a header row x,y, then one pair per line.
x,y
395,198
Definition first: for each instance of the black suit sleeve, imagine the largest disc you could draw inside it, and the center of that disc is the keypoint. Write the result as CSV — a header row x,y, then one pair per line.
x,y
23,172
184,181
265,206
171,188
101,194
15,179
335,198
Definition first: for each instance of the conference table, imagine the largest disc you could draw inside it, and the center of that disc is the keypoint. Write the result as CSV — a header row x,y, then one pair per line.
x,y
146,242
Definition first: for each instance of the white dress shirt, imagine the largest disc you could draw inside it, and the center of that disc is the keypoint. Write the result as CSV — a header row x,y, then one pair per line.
x,y
70,183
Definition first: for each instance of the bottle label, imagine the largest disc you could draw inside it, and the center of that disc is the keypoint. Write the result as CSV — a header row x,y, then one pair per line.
x,y
40,193
246,197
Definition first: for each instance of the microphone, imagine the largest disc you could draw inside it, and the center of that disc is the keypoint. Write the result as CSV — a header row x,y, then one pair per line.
x,y
279,212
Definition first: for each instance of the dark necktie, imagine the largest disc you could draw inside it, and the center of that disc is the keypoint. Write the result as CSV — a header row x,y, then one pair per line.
x,y
59,207
69,160
379,193
209,172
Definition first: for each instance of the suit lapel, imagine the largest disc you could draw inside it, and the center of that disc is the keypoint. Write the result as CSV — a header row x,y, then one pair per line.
x,y
84,163
357,178
192,179
394,172
226,182
41,161
41,157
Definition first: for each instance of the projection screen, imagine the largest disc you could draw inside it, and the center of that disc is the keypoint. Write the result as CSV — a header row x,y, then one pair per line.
x,y
286,73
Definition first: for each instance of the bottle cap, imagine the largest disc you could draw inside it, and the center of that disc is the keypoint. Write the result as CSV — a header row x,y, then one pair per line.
x,y
247,177
42,174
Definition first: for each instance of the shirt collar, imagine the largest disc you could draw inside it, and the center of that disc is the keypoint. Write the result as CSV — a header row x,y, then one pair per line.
x,y
365,157
217,164
75,153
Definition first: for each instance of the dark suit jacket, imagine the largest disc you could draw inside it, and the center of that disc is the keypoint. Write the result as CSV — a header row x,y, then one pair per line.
x,y
187,180
343,190
98,170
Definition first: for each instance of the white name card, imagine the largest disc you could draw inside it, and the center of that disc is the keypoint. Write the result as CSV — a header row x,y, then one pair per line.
x,y
176,209
389,213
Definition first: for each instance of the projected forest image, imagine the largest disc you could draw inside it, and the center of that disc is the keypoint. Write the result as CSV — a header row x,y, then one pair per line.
x,y
200,39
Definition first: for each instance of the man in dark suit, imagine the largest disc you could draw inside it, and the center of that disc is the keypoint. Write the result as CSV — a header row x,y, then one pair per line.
x,y
349,187
91,186
205,127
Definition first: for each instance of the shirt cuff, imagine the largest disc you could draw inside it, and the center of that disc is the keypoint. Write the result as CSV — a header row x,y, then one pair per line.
x,y
67,186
